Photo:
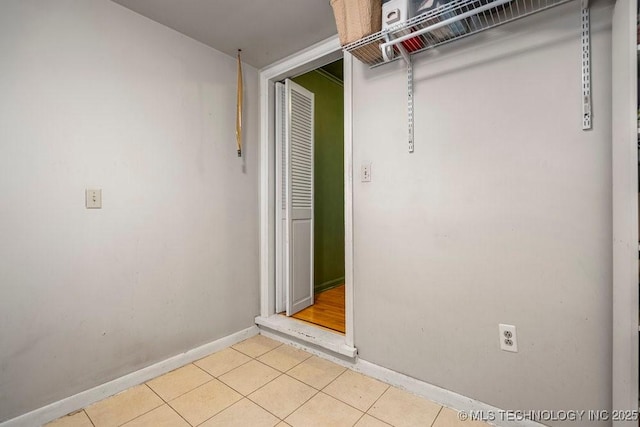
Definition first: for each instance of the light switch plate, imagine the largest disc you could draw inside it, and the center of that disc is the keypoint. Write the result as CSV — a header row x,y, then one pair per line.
x,y
365,173
93,199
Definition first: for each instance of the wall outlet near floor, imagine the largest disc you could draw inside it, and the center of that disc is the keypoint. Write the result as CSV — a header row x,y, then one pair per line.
x,y
508,339
365,173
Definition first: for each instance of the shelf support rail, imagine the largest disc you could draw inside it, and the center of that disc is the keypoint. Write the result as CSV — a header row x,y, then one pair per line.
x,y
410,102
390,45
407,58
586,66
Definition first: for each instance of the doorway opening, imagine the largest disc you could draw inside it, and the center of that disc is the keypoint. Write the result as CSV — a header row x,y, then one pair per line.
x,y
310,231
269,322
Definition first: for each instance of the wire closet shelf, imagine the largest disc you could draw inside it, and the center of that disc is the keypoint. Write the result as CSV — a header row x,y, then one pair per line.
x,y
444,24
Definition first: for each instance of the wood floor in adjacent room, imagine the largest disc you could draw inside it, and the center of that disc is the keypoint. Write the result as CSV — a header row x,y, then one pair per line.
x,y
327,310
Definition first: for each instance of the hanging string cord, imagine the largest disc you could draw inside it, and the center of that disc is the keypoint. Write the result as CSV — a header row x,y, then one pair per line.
x,y
239,107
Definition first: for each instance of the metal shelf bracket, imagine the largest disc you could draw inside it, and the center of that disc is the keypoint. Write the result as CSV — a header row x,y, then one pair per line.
x,y
409,61
453,21
410,102
586,66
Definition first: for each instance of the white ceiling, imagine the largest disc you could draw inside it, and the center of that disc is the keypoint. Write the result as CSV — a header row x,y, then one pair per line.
x,y
265,30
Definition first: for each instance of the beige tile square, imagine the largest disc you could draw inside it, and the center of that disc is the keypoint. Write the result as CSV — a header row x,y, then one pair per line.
x,y
222,362
204,402
283,424
401,409
77,419
323,410
449,418
283,395
356,390
173,384
316,372
123,407
257,346
163,416
284,357
368,421
249,377
241,414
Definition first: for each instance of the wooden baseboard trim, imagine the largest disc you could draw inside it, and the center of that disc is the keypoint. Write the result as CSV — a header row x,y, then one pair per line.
x,y
329,285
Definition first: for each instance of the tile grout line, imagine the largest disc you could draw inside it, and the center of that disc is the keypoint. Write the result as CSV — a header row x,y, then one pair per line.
x,y
378,398
334,380
88,417
167,402
348,404
312,386
281,374
378,419
243,395
221,411
259,355
226,372
213,377
186,392
361,417
302,361
194,364
262,407
437,415
179,414
376,401
181,394
345,403
251,359
388,386
303,403
144,413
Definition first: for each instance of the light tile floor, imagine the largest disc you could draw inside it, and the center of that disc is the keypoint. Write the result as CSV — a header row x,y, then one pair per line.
x,y
261,382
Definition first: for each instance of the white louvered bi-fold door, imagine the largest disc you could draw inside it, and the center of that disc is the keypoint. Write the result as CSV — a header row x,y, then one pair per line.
x,y
298,171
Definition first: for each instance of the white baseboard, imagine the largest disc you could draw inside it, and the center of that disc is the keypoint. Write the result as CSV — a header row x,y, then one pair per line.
x,y
434,393
78,401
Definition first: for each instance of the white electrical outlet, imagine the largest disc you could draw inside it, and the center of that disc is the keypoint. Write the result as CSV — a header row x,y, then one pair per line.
x,y
508,339
365,173
93,199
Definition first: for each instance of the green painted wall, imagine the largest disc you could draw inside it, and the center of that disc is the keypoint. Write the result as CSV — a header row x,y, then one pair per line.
x,y
329,179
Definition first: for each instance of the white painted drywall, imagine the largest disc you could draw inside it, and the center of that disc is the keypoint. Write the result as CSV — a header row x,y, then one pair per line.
x,y
502,215
94,95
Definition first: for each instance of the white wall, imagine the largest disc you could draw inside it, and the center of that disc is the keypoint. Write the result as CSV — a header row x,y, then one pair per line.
x,y
96,96
502,215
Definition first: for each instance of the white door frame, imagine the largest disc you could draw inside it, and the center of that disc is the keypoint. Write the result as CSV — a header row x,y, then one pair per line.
x,y
306,60
625,210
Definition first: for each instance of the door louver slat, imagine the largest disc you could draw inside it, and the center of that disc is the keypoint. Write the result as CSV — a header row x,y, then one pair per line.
x,y
301,155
